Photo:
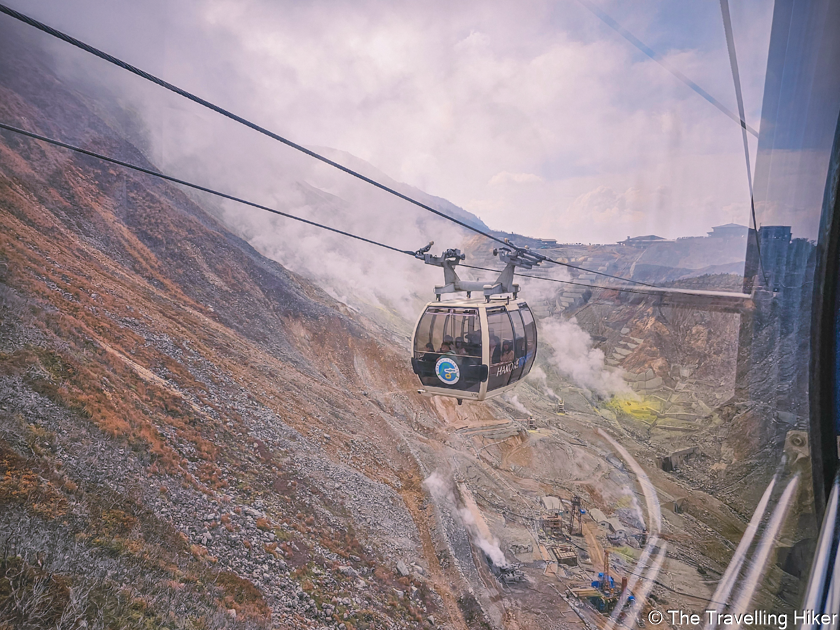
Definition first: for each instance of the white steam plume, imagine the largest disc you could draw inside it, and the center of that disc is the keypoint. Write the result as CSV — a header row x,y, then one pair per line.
x,y
490,547
574,357
442,490
539,375
187,142
357,272
514,400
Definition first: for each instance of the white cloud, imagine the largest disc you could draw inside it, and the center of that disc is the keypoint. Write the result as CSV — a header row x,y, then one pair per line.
x,y
574,356
534,115
602,205
503,178
471,105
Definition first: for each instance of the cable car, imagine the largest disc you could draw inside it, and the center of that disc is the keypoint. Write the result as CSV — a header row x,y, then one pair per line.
x,y
475,348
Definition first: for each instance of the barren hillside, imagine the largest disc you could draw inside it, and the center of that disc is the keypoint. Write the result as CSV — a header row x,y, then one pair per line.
x,y
192,436
185,429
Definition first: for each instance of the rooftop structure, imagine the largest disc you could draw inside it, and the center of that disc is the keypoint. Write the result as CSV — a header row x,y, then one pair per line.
x,y
730,230
775,233
552,504
642,241
599,517
565,554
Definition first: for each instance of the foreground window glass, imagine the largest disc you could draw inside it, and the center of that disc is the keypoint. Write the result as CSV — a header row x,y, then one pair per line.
x,y
225,399
447,348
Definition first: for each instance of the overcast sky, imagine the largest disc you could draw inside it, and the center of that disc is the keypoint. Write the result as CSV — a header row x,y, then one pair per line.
x,y
536,116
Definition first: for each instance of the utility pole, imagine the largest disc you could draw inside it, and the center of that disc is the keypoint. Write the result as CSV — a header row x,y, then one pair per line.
x,y
575,512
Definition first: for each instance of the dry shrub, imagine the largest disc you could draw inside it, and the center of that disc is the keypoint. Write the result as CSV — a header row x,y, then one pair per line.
x,y
117,522
20,485
29,594
248,599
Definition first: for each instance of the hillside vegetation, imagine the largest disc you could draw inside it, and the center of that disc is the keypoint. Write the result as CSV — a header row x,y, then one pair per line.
x,y
186,439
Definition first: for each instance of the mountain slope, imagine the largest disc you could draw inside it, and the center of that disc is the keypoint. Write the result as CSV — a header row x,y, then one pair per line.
x,y
185,435
194,436
438,203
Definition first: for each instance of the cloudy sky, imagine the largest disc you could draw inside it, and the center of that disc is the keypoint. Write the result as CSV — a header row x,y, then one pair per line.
x,y
536,115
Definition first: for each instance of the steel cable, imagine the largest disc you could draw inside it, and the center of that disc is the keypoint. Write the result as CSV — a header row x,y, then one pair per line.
x,y
606,19
181,92
252,204
182,182
736,78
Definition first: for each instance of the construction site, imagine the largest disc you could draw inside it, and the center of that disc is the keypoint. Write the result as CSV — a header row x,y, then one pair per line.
x,y
209,405
564,509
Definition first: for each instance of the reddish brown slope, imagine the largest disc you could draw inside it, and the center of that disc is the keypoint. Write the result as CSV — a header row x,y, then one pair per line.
x,y
165,399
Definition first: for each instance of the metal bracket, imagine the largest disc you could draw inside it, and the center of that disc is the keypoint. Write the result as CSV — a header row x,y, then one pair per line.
x,y
512,256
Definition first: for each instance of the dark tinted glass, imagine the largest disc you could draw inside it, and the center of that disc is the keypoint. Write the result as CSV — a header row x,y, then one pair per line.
x,y
530,338
501,348
519,346
447,348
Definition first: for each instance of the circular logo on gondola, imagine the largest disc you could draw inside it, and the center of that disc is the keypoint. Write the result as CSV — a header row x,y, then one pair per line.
x,y
447,370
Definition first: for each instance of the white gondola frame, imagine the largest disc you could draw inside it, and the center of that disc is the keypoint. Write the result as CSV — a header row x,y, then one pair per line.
x,y
481,306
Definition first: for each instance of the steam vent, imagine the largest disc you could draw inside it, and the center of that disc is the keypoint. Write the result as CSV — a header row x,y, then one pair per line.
x,y
235,395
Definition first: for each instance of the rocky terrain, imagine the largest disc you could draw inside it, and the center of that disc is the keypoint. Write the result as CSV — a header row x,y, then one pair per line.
x,y
193,436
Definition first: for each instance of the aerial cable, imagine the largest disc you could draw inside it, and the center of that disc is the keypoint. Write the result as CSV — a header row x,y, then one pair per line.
x,y
182,182
579,284
219,110
662,291
606,19
175,180
196,99
736,78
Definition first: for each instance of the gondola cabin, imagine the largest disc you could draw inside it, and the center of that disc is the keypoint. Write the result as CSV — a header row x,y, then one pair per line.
x,y
473,349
